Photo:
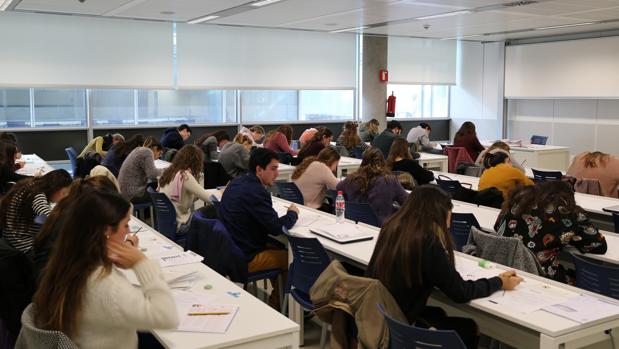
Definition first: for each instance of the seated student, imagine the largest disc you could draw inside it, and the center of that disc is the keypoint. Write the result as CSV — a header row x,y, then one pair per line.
x,y
373,184
401,159
320,141
279,141
384,139
308,135
498,147
174,138
369,130
414,255
181,182
84,295
499,173
10,137
600,166
420,136
546,218
99,145
211,143
44,241
255,133
349,139
118,153
466,137
138,170
8,155
247,212
27,200
315,175
234,156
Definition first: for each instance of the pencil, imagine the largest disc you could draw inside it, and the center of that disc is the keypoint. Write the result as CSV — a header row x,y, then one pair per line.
x,y
212,313
136,232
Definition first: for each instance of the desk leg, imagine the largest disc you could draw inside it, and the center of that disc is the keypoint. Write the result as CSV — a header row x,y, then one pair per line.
x,y
339,172
296,341
444,166
546,342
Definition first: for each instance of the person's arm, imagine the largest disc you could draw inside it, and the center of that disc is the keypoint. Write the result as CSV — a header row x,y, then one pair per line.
x,y
591,240
242,159
9,175
400,193
261,208
476,145
328,178
282,143
40,205
151,171
149,307
425,142
439,272
421,175
99,146
516,164
191,185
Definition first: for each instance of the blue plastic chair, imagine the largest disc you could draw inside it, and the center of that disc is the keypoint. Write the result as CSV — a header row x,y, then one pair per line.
x,y
541,140
404,336
616,221
596,277
72,154
361,212
289,191
541,176
310,260
461,224
165,215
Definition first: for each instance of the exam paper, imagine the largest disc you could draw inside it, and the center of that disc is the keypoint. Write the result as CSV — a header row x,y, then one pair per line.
x,y
180,258
192,303
584,309
531,295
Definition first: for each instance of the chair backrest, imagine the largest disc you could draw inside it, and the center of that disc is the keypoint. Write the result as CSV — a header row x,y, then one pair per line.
x,y
460,229
310,260
289,191
215,175
540,176
541,140
616,221
451,186
404,336
72,155
361,212
165,215
473,171
33,337
596,278
456,155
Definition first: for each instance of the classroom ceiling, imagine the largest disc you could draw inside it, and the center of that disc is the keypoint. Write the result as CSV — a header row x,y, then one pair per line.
x,y
476,20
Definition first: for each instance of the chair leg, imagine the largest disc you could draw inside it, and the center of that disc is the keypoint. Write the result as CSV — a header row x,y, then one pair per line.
x,y
285,304
280,288
323,335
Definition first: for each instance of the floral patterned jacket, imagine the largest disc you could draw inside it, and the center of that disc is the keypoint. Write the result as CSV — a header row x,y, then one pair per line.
x,y
546,232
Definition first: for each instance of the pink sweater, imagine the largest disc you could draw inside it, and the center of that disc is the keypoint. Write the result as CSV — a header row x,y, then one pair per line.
x,y
608,175
314,183
279,143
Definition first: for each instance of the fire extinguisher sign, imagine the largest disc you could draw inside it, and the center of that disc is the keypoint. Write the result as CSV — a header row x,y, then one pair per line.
x,y
383,75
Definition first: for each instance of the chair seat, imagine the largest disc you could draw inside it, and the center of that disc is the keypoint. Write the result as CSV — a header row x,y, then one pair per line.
x,y
302,298
142,205
263,274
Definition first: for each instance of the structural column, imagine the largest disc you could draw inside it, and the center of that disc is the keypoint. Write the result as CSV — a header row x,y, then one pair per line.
x,y
373,91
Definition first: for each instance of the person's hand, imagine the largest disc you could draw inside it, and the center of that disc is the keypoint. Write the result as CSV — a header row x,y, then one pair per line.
x,y
123,255
133,240
509,280
294,208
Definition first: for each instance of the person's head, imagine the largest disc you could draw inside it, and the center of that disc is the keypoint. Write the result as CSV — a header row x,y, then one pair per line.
x,y
493,159
350,136
546,197
117,138
328,156
8,137
399,150
372,166
595,159
221,136
79,250
394,126
372,125
108,141
287,131
153,144
257,132
264,163
124,148
189,158
499,145
425,126
424,217
243,140
185,131
8,153
466,128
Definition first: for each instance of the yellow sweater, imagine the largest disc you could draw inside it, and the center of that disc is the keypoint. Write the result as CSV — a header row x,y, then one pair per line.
x,y
503,177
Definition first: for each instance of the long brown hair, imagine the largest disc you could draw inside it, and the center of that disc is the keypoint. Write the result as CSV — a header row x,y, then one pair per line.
x,y
593,159
189,157
399,249
327,156
287,131
466,128
372,167
79,250
372,126
349,137
399,149
322,133
242,139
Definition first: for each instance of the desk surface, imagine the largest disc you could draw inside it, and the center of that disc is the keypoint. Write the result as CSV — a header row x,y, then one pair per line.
x,y
33,164
539,321
255,325
528,147
162,164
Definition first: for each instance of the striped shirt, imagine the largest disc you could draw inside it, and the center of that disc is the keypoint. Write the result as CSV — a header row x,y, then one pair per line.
x,y
19,231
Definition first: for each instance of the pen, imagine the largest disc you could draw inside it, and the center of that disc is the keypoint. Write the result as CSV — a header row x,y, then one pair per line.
x,y
136,232
211,313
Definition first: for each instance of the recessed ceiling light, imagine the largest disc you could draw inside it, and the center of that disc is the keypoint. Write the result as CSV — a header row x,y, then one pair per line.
x,y
264,2
566,26
330,24
202,19
462,37
350,29
447,14
4,4
167,13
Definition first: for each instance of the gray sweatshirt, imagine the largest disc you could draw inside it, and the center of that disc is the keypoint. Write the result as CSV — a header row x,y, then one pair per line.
x,y
135,173
234,158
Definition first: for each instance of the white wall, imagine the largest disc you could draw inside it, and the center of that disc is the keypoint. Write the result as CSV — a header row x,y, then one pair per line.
x,y
581,124
478,94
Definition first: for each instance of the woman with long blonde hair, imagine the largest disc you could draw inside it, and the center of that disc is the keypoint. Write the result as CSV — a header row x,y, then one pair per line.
x,y
349,139
314,176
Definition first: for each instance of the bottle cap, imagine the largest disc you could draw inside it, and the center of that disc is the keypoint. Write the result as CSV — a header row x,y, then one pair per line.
x,y
339,192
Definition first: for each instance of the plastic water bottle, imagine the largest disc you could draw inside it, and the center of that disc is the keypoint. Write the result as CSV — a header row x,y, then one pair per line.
x,y
340,206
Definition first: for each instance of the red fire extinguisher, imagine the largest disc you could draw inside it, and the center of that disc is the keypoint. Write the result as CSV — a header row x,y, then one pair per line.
x,y
391,105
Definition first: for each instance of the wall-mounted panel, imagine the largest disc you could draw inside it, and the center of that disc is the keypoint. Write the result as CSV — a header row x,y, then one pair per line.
x,y
422,61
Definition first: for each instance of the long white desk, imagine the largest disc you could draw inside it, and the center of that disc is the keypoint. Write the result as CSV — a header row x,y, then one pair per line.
x,y
539,156
256,325
538,329
431,161
33,164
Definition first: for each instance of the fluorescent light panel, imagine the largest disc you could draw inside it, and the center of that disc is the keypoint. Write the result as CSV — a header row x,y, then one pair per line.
x,y
462,37
264,2
447,14
4,4
350,29
202,19
565,26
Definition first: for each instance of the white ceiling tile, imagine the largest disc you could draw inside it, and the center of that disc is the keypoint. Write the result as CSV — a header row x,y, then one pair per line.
x,y
184,10
90,7
598,15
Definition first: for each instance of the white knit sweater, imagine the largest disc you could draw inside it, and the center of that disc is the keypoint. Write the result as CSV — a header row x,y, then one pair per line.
x,y
114,310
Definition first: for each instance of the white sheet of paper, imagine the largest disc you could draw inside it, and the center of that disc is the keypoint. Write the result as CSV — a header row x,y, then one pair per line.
x,y
584,309
180,258
530,296
342,231
306,220
190,302
174,278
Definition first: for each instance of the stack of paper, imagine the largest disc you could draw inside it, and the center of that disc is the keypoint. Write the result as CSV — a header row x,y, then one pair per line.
x,y
343,232
175,278
198,313
180,258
